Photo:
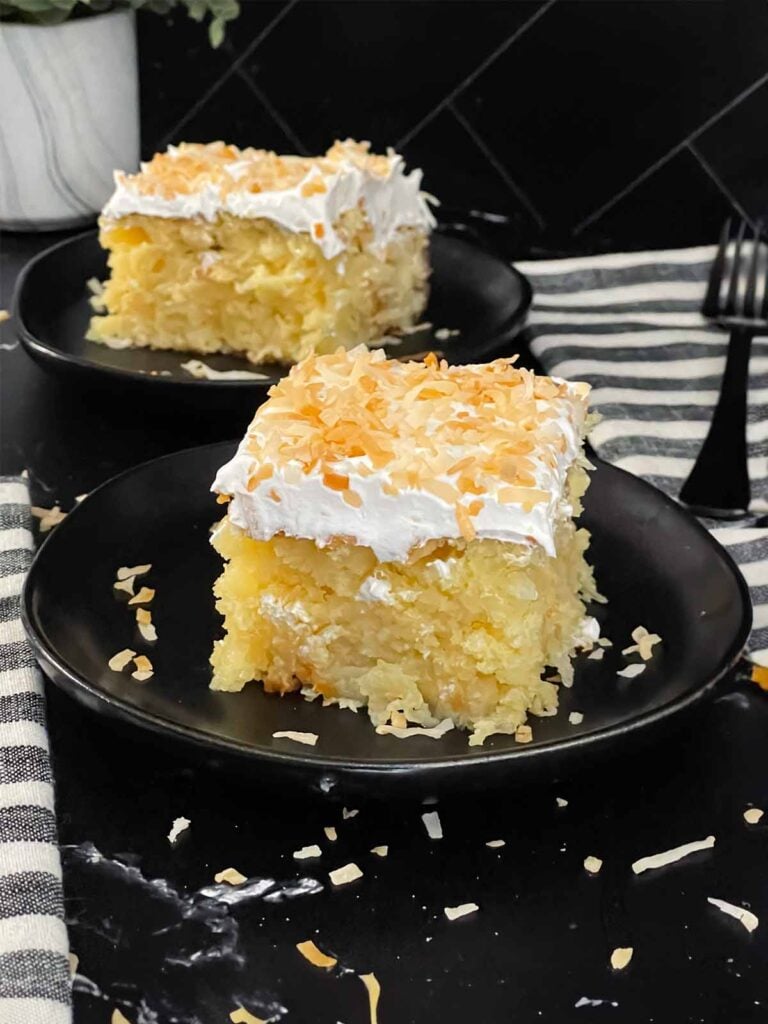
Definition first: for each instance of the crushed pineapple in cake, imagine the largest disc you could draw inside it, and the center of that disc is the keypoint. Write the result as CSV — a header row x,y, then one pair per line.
x,y
218,249
401,536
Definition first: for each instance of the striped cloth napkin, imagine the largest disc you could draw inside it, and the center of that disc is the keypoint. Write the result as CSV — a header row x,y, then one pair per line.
x,y
630,324
35,985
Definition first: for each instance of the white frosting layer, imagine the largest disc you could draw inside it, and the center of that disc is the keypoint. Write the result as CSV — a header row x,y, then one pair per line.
x,y
391,203
391,525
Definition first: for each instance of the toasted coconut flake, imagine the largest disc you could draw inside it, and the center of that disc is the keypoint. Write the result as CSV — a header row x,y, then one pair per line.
x,y
137,570
752,815
145,624
452,913
660,860
316,956
632,671
603,641
436,732
644,643
330,833
144,669
743,916
373,988
620,957
179,825
309,739
231,876
576,718
74,963
144,596
346,874
380,851
201,371
496,844
592,864
125,585
118,1018
121,660
306,852
523,734
346,813
561,801
49,517
242,1016
432,824
597,654
4,315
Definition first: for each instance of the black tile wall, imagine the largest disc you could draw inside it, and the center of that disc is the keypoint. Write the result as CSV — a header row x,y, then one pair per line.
x,y
577,125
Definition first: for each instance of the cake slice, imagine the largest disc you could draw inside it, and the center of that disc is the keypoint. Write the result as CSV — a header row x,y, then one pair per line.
x,y
218,249
401,536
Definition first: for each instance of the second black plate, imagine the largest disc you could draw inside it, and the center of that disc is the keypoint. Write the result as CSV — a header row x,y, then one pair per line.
x,y
472,291
655,563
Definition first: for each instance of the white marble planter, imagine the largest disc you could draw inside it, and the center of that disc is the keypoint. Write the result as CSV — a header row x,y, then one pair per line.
x,y
69,115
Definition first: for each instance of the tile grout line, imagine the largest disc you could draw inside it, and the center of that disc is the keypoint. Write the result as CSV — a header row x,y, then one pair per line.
x,y
658,164
484,64
500,169
234,66
273,112
712,173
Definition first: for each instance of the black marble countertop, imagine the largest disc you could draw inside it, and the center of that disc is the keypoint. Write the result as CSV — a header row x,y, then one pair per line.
x,y
152,943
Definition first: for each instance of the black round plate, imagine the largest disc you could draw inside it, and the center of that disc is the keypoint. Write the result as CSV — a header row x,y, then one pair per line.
x,y
472,291
655,563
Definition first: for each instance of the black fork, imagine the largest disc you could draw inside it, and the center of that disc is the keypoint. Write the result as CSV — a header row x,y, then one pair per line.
x,y
718,485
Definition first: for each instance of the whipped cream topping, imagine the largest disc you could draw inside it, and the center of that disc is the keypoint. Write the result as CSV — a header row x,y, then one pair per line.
x,y
391,201
300,504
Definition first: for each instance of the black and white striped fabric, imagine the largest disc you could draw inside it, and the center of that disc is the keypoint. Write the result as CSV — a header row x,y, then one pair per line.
x,y
35,984
630,324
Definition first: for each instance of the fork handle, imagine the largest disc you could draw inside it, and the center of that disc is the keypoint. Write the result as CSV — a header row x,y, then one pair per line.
x,y
718,485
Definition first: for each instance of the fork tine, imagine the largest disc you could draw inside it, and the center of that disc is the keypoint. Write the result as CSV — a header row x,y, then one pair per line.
x,y
712,298
733,286
749,295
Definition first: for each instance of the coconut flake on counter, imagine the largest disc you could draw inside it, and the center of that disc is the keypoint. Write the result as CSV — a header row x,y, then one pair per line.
x,y
432,824
660,860
632,671
309,739
743,916
330,833
592,864
179,825
242,1016
453,913
752,815
231,876
137,570
121,660
373,988
201,371
436,732
644,643
49,517
315,956
620,957
307,851
346,874
144,669
144,595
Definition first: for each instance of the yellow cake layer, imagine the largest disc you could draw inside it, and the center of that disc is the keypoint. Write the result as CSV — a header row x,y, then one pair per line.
x,y
249,286
463,631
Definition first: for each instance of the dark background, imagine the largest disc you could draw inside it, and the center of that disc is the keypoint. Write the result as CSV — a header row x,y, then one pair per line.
x,y
616,124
